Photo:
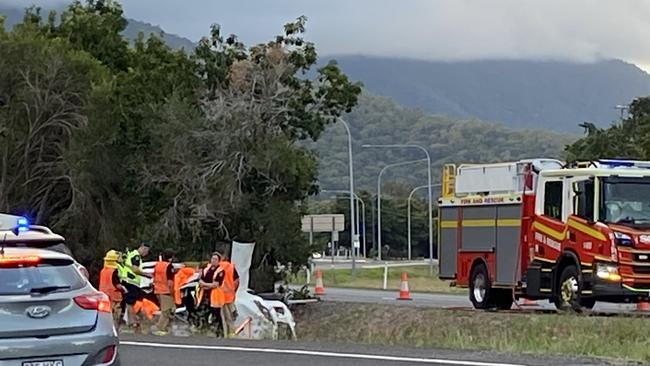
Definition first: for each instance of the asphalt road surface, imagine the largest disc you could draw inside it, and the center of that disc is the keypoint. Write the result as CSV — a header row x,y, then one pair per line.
x,y
200,351
442,300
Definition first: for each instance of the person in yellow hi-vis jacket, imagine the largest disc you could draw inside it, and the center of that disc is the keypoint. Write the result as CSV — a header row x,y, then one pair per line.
x,y
130,272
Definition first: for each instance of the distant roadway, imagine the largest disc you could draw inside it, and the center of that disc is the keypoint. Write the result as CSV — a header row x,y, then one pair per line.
x,y
441,300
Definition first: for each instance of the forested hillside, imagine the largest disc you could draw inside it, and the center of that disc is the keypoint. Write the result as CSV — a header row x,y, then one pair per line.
x,y
523,94
379,120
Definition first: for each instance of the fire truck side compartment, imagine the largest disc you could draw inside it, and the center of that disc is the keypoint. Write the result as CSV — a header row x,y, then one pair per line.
x,y
478,229
481,229
508,242
448,245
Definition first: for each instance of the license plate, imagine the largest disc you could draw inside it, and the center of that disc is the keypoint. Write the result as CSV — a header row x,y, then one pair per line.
x,y
44,363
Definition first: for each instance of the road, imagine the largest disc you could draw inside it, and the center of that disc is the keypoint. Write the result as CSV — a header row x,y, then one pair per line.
x,y
200,351
365,263
441,300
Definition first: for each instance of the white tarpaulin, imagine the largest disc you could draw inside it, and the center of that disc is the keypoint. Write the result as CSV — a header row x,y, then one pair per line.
x,y
241,256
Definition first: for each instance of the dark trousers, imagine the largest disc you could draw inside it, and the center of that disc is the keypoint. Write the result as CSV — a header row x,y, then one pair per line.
x,y
202,313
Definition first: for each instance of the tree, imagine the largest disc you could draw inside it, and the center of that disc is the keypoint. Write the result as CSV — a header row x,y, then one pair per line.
x,y
46,86
237,172
627,138
110,143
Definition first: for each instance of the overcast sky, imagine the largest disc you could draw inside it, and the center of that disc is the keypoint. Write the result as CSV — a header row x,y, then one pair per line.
x,y
578,30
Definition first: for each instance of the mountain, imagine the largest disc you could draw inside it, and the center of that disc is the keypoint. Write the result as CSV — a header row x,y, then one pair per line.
x,y
134,27
521,94
380,120
175,42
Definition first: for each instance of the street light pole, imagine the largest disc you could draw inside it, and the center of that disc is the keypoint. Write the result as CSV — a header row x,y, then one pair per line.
x,y
353,233
408,215
426,152
381,172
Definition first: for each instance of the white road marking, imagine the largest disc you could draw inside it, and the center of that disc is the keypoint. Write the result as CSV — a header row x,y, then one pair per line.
x,y
317,353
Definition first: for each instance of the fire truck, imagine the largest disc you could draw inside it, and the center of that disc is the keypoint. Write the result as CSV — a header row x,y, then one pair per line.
x,y
540,229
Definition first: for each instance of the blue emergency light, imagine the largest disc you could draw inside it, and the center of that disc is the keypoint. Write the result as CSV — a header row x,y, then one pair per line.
x,y
23,224
621,163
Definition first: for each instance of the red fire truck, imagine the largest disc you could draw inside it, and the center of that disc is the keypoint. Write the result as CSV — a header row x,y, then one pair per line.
x,y
539,229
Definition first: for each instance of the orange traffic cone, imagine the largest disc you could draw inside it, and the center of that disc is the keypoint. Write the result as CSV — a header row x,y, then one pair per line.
x,y
642,305
319,289
404,293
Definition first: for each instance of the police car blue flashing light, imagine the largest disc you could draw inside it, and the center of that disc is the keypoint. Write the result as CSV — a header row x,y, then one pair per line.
x,y
23,224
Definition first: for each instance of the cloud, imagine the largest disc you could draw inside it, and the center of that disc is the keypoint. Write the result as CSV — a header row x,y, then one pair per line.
x,y
578,30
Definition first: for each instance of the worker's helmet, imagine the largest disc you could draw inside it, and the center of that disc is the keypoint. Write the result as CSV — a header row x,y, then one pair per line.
x,y
111,258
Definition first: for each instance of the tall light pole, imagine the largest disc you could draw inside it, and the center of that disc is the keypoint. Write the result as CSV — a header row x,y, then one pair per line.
x,y
408,215
410,146
381,172
361,228
353,233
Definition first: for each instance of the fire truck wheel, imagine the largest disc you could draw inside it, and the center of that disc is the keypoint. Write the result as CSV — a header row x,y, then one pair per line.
x,y
480,287
568,290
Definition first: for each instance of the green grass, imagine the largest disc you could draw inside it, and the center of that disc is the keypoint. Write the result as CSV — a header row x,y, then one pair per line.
x,y
621,338
373,278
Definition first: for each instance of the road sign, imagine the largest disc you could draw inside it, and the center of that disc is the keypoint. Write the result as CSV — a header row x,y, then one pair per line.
x,y
323,223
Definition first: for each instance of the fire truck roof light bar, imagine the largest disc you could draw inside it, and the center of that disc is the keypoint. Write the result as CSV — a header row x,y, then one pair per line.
x,y
616,163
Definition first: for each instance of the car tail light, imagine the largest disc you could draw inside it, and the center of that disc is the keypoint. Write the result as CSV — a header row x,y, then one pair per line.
x,y
96,301
104,357
19,261
107,354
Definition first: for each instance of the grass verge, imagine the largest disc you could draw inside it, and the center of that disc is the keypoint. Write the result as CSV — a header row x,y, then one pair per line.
x,y
373,278
618,338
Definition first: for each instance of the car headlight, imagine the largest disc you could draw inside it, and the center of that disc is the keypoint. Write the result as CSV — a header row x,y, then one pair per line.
x,y
623,239
607,272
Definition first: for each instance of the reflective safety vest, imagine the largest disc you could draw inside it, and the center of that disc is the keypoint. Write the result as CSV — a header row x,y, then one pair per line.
x,y
160,282
217,299
126,272
106,285
229,288
180,278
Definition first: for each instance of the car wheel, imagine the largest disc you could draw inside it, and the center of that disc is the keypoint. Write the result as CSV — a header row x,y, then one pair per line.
x,y
568,290
480,287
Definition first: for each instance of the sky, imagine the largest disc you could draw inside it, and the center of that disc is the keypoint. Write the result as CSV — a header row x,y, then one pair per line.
x,y
442,30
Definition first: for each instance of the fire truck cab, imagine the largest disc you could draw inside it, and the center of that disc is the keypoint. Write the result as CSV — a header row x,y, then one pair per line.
x,y
538,229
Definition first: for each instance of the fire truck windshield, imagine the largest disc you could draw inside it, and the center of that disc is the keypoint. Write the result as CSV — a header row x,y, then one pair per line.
x,y
625,201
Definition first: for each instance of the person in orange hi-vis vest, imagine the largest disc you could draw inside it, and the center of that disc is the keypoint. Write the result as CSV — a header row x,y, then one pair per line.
x,y
180,278
229,285
163,287
109,284
211,295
